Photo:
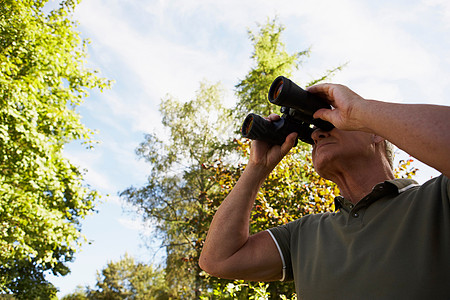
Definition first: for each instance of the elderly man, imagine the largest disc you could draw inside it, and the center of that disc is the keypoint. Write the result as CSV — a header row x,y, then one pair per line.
x,y
388,239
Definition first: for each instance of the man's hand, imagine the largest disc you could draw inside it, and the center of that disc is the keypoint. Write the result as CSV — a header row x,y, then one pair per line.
x,y
344,102
265,156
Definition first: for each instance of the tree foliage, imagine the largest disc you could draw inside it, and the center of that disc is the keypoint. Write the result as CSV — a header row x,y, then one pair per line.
x,y
271,60
125,279
43,78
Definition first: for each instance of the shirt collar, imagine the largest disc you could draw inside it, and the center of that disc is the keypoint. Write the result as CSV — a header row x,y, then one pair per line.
x,y
402,184
382,189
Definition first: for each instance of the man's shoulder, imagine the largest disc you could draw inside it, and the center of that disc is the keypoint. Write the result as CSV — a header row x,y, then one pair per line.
x,y
439,186
309,220
439,183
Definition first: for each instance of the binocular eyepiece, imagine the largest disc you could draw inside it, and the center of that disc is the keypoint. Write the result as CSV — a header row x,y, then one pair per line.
x,y
298,107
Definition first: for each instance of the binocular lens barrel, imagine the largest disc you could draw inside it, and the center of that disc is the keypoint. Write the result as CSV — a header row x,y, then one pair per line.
x,y
284,92
247,125
257,128
278,89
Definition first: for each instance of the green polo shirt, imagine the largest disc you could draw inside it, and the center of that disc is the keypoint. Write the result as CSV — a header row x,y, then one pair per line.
x,y
393,244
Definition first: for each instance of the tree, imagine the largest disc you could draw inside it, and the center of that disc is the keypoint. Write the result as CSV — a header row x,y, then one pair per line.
x,y
126,279
43,78
178,186
78,294
271,60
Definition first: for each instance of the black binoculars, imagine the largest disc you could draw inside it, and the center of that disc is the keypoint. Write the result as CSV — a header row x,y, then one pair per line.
x,y
298,107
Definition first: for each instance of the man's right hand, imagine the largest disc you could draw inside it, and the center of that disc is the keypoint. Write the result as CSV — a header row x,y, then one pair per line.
x,y
265,156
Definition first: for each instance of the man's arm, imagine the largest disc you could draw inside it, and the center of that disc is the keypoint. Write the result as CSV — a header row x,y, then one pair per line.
x,y
229,251
421,130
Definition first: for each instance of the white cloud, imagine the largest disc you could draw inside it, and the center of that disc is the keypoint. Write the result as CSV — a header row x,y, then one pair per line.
x,y
158,61
144,228
169,46
380,49
443,9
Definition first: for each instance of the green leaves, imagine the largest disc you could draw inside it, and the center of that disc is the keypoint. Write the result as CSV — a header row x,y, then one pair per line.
x,y
43,78
271,60
125,279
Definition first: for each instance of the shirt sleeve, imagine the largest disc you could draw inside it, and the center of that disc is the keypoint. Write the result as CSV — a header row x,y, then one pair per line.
x,y
282,236
447,184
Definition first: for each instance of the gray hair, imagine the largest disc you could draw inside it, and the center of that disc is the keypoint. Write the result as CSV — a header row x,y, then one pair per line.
x,y
389,151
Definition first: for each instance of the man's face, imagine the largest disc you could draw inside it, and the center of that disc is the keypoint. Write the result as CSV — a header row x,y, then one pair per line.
x,y
337,148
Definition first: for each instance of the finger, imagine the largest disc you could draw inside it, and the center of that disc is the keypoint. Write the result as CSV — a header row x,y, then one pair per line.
x,y
259,144
289,143
274,117
323,90
324,114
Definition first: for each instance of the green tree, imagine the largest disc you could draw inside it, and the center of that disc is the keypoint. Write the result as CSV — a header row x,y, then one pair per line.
x,y
179,183
271,60
43,78
293,189
78,294
127,279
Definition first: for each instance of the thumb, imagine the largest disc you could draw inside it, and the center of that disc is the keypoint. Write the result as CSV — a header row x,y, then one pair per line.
x,y
289,143
324,114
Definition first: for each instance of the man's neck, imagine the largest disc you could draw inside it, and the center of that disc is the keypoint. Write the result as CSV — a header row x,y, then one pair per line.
x,y
356,182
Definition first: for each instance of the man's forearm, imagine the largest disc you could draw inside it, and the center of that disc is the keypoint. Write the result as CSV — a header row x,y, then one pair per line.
x,y
421,130
229,229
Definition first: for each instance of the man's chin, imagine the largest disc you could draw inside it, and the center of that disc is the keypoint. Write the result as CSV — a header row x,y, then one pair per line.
x,y
322,169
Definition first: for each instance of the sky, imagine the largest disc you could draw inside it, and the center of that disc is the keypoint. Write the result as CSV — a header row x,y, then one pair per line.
x,y
394,51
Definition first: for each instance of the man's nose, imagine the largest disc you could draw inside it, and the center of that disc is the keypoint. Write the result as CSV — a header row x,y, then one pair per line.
x,y
319,134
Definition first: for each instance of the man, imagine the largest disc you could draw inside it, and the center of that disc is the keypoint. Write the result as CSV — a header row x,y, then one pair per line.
x,y
390,239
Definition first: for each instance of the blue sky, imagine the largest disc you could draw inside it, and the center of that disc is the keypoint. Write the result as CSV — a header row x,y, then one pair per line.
x,y
396,51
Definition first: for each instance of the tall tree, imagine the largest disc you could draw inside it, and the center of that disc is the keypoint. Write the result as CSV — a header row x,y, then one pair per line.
x,y
179,184
125,279
270,61
128,279
43,78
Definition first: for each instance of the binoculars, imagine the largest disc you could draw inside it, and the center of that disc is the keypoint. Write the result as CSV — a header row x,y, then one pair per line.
x,y
298,107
